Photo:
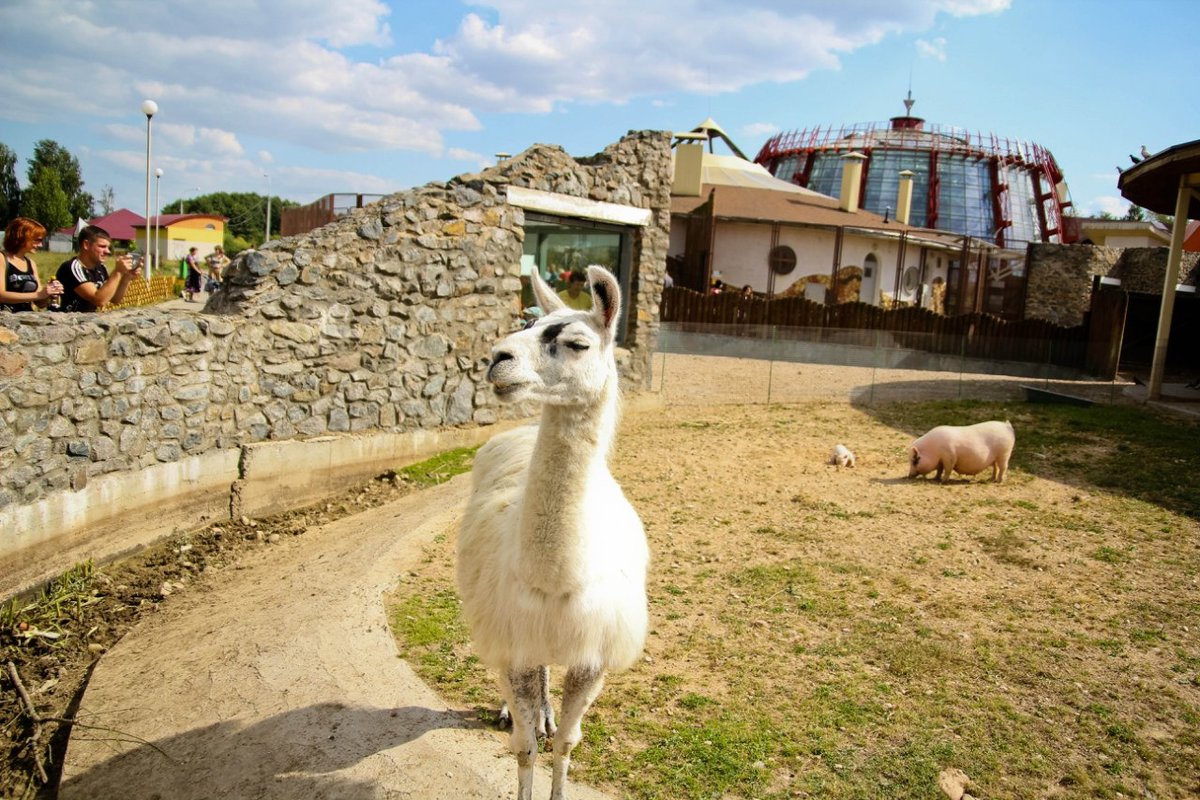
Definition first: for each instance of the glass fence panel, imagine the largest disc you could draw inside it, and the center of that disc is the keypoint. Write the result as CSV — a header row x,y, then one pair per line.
x,y
720,364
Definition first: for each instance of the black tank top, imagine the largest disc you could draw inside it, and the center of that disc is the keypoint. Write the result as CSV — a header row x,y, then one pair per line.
x,y
16,280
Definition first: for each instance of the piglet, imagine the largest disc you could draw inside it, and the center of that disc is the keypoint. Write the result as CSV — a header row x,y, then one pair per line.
x,y
966,449
842,457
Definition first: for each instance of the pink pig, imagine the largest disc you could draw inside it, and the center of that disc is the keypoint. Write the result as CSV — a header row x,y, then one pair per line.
x,y
967,450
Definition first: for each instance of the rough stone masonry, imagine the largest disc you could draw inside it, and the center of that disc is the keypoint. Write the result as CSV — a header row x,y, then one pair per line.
x,y
380,321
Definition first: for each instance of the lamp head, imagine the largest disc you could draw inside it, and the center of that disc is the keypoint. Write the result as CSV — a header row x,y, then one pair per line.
x,y
158,172
149,108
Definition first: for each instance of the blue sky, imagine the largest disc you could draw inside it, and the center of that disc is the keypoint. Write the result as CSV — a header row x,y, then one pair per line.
x,y
373,96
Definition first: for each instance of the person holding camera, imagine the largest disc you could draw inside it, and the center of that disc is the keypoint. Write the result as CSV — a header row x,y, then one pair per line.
x,y
20,288
87,285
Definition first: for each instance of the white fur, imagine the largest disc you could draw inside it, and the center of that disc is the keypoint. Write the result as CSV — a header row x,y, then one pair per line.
x,y
551,556
842,457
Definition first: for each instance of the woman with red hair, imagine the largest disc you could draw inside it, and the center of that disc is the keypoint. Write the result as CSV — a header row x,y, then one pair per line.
x,y
22,289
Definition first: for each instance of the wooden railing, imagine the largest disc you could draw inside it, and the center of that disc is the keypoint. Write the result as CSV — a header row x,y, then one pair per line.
x,y
973,335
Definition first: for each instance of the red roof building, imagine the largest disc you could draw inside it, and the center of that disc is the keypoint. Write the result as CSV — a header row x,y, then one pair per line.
x,y
119,224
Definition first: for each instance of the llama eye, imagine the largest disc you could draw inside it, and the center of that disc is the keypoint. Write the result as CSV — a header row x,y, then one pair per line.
x,y
578,347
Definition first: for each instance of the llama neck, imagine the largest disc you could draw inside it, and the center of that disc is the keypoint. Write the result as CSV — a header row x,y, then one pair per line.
x,y
572,446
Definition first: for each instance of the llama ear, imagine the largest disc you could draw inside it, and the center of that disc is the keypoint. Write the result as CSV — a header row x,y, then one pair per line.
x,y
545,296
606,297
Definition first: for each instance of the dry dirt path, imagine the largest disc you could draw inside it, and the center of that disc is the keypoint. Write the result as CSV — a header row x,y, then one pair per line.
x,y
280,679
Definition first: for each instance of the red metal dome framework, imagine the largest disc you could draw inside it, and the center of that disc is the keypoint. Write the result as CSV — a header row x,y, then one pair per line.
x,y
1003,190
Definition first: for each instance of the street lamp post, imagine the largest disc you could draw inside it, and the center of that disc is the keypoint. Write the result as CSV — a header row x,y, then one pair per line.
x,y
267,237
149,108
158,173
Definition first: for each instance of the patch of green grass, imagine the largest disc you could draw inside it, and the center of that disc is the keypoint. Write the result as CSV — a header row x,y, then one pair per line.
x,y
1131,450
710,756
439,468
433,637
1008,548
44,616
1110,555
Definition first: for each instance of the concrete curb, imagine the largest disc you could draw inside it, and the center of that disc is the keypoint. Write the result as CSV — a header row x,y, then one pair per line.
x,y
117,514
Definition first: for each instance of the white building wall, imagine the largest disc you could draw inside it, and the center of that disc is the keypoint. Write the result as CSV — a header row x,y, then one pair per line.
x,y
740,254
741,248
1133,240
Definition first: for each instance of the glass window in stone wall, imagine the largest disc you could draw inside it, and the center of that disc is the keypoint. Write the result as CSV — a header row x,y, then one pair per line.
x,y
883,183
964,197
555,246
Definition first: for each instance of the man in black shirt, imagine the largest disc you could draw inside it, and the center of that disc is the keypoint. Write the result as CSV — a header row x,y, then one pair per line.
x,y
87,285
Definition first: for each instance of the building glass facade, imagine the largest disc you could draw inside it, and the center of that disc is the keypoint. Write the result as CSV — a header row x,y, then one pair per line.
x,y
978,185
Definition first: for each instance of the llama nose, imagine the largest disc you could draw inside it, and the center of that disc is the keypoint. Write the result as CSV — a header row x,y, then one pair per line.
x,y
498,358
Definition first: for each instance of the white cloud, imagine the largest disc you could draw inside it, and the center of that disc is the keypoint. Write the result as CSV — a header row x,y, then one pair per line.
x,y
969,8
297,182
613,51
1117,206
478,160
310,75
760,129
932,48
283,68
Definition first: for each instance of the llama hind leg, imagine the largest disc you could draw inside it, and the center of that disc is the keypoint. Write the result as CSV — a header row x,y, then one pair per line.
x,y
545,726
525,700
580,689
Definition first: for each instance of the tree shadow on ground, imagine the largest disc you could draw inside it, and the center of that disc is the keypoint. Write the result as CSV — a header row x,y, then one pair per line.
x,y
294,754
1122,448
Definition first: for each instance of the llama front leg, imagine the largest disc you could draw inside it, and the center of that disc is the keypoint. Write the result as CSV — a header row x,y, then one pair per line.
x,y
525,702
580,688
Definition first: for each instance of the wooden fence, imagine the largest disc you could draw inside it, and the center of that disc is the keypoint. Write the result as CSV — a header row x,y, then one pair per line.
x,y
974,335
159,289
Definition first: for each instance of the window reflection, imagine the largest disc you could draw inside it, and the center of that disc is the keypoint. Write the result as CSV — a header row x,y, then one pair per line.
x,y
556,246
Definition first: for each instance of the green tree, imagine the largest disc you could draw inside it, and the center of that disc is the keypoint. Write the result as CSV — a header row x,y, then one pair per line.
x,y
45,201
107,201
10,190
48,153
1135,214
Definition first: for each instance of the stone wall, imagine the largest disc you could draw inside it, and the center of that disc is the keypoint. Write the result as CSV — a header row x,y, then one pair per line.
x,y
1060,276
380,321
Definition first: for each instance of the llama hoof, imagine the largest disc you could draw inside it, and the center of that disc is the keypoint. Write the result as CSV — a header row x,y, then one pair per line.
x,y
504,718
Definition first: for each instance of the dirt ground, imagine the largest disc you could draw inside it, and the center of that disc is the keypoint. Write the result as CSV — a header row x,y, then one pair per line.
x,y
54,647
715,481
1040,634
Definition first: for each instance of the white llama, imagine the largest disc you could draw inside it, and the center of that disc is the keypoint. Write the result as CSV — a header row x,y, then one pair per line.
x,y
551,556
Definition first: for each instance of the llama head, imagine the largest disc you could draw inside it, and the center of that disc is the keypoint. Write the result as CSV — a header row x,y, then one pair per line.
x,y
566,356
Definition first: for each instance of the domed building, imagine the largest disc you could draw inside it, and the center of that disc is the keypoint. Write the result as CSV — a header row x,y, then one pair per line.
x,y
1000,190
